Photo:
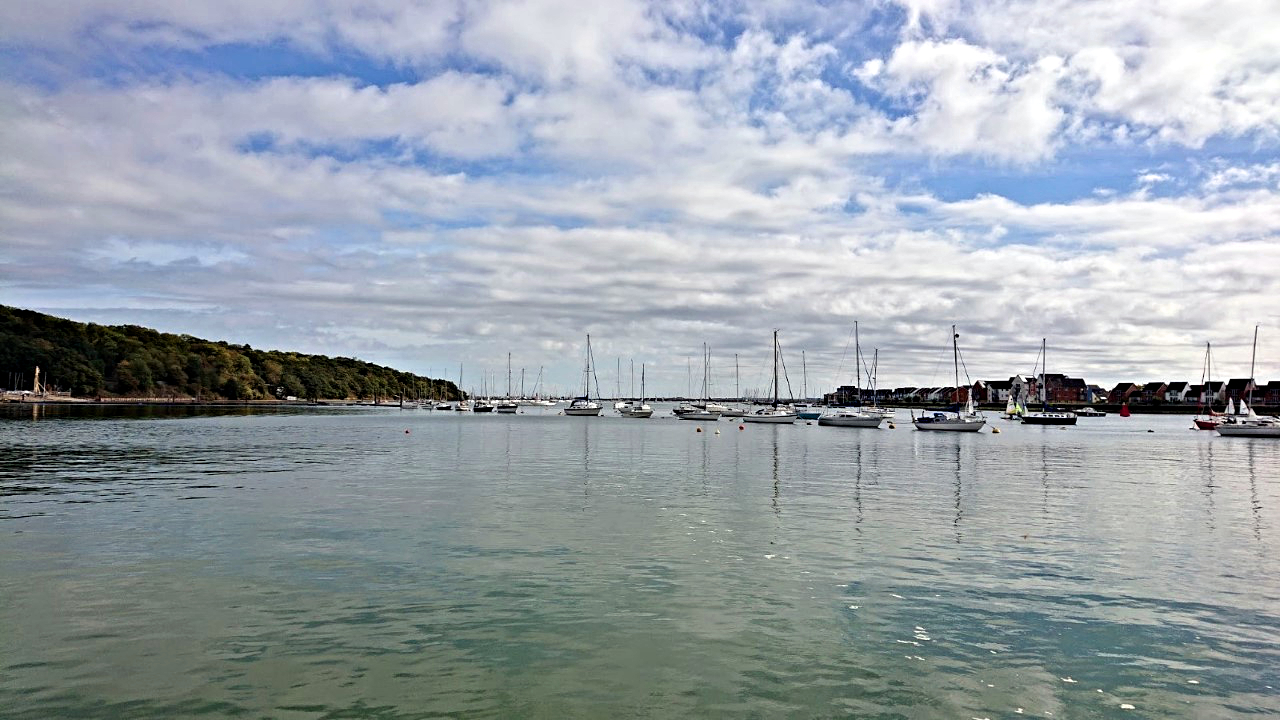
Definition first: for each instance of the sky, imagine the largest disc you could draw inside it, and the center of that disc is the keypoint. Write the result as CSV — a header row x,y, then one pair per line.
x,y
433,184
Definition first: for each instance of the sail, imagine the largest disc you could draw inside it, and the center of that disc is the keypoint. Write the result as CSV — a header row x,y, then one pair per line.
x,y
1231,406
1011,407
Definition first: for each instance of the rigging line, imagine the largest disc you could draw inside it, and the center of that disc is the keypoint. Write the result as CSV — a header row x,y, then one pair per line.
x,y
840,367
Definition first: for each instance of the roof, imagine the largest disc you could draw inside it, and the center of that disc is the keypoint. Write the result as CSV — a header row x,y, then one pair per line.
x,y
1153,386
999,384
1124,386
1178,386
1238,383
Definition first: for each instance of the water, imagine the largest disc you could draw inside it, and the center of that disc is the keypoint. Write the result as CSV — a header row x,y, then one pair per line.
x,y
327,564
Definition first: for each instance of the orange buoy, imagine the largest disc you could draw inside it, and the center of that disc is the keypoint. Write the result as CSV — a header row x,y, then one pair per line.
x,y
742,427
699,429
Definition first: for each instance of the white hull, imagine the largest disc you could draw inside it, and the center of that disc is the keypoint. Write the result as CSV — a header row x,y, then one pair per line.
x,y
584,411
858,421
506,408
700,415
734,412
954,424
637,413
1250,429
778,418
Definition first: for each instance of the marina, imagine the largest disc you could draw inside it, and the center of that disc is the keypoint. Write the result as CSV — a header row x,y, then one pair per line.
x,y
346,559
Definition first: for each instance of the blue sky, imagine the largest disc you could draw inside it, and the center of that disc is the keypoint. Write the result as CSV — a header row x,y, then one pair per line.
x,y
423,184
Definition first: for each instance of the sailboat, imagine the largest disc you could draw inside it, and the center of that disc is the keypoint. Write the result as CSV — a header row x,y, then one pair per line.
x,y
1045,415
855,416
953,421
734,410
1248,423
704,410
507,405
1211,417
464,405
776,414
804,411
634,409
584,405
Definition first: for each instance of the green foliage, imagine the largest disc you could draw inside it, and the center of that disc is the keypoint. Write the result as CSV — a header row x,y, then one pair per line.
x,y
96,360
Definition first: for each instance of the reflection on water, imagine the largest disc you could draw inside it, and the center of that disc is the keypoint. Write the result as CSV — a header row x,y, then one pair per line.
x,y
330,564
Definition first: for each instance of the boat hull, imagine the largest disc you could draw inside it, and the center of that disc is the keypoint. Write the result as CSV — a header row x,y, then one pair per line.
x,y
700,415
786,419
1205,424
845,421
638,414
1261,431
810,415
1049,419
950,425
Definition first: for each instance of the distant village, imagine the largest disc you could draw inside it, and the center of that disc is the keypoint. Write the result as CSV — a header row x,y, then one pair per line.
x,y
1064,390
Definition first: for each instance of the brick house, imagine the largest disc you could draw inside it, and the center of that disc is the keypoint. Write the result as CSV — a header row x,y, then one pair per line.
x,y
1121,393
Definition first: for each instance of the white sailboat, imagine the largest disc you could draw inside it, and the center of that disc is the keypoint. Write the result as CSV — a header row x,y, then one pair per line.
x,y
951,421
706,410
637,409
508,404
775,414
1046,415
464,405
734,410
855,416
1247,423
584,405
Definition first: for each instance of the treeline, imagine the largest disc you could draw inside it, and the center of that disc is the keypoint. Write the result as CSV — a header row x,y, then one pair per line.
x,y
97,360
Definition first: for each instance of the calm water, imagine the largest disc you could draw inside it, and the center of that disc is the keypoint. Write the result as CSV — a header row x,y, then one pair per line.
x,y
327,564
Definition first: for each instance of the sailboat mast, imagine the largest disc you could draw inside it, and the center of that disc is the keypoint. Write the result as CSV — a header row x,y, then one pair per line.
x,y
1252,360
775,368
1044,373
857,364
508,376
641,383
737,394
586,375
955,358
804,378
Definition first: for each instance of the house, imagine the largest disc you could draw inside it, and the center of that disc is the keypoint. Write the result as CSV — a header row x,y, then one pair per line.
x,y
1097,394
1213,393
1153,392
1177,392
1269,394
1121,393
1239,388
1022,387
997,391
902,394
1073,390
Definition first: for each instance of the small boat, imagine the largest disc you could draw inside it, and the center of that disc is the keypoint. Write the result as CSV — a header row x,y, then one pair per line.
x,y
705,410
1090,412
1247,423
637,409
953,420
443,406
806,412
850,417
775,414
1209,419
584,406
507,405
1047,415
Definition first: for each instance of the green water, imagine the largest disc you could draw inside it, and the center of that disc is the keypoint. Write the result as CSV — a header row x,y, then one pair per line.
x,y
327,564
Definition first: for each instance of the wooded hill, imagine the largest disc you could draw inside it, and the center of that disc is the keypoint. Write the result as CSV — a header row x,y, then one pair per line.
x,y
98,360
